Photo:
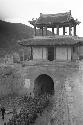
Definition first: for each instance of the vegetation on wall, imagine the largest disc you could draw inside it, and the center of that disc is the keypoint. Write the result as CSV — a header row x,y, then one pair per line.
x,y
10,81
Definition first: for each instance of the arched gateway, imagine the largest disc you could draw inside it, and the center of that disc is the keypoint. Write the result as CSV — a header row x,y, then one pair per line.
x,y
43,84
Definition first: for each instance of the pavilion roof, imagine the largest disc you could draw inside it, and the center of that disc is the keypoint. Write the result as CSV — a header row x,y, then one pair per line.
x,y
53,19
51,40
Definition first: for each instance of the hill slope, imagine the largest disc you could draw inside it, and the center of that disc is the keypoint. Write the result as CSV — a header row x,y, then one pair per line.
x,y
10,33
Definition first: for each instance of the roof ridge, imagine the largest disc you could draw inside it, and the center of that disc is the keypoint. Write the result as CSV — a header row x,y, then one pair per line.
x,y
55,15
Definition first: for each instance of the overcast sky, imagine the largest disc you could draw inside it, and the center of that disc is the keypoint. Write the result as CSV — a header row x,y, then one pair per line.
x,y
24,10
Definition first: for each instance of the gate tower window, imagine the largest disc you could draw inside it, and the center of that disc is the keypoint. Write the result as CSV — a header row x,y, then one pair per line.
x,y
50,53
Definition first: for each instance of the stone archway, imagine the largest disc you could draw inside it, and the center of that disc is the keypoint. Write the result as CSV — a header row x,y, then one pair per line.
x,y
43,84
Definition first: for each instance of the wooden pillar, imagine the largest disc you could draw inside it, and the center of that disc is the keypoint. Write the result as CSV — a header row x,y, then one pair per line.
x,y
54,52
75,30
31,53
53,31
46,30
57,29
42,31
70,29
42,53
35,30
63,30
67,53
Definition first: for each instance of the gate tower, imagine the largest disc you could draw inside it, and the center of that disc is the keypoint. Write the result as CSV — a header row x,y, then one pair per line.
x,y
53,55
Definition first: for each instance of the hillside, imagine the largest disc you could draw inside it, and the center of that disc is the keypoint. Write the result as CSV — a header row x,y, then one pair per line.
x,y
10,33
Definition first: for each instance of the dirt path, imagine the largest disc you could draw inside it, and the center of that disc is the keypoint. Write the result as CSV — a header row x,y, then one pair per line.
x,y
45,117
57,112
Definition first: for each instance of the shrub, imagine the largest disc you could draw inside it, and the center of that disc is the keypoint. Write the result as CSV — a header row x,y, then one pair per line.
x,y
29,111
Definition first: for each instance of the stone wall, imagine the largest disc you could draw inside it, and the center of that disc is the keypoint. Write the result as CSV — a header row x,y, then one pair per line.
x,y
58,71
20,79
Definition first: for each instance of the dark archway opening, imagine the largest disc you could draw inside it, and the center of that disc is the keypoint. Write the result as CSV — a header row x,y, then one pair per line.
x,y
43,84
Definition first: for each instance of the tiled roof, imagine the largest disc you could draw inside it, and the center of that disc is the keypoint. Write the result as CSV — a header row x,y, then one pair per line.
x,y
51,40
54,19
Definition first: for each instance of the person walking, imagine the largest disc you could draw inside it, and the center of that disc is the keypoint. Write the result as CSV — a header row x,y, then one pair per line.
x,y
3,112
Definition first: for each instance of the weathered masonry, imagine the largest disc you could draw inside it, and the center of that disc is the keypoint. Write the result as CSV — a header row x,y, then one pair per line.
x,y
51,49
